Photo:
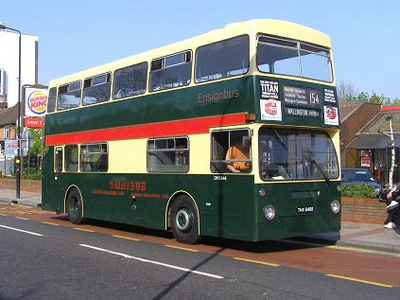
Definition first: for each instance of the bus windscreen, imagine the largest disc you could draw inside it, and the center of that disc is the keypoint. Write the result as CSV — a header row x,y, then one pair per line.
x,y
293,58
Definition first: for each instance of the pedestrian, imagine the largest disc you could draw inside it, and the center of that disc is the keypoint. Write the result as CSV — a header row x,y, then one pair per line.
x,y
394,197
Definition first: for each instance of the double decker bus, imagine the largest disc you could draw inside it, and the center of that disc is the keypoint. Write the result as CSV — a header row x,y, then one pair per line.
x,y
152,140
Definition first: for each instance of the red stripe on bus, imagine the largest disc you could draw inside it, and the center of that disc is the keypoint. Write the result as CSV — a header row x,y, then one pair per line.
x,y
192,126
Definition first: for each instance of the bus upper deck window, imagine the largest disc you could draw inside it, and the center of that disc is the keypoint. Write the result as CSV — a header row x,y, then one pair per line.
x,y
69,95
171,71
222,59
294,58
96,89
130,81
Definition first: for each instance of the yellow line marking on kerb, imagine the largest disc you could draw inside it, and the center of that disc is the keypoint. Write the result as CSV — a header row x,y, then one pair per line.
x,y
49,223
181,248
22,218
351,249
126,238
82,229
257,262
360,280
23,206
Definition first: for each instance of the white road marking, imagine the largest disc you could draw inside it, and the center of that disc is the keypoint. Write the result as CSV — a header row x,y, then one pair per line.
x,y
20,230
154,262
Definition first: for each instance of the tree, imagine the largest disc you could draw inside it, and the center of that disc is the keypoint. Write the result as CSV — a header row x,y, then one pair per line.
x,y
396,101
382,99
347,92
37,137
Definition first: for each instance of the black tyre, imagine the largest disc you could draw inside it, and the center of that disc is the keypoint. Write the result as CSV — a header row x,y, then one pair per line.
x,y
184,221
74,207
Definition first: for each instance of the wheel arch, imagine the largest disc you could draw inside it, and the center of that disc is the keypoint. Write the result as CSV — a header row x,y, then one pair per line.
x,y
68,190
168,207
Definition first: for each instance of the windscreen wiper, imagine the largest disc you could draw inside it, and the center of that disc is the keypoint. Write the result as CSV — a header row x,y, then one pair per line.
x,y
312,160
326,177
280,139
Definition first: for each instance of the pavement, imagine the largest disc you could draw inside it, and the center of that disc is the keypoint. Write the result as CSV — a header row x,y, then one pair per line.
x,y
353,235
27,198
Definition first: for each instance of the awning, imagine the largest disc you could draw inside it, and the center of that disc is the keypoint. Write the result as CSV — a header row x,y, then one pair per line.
x,y
372,141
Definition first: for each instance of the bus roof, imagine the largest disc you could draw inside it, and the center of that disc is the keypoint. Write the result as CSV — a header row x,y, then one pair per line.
x,y
264,26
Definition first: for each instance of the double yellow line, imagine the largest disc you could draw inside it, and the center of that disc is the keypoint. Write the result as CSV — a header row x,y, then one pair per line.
x,y
329,275
359,280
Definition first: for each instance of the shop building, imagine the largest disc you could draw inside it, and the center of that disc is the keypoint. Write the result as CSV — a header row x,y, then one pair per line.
x,y
366,139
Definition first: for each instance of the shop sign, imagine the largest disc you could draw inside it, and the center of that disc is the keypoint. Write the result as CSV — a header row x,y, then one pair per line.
x,y
32,122
11,147
35,102
365,159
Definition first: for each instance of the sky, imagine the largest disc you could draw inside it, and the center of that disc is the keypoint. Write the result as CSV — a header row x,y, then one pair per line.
x,y
79,34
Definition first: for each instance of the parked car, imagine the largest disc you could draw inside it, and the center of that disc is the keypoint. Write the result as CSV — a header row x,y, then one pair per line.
x,y
359,176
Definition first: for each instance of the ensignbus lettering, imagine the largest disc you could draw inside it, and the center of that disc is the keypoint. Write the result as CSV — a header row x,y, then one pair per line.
x,y
218,96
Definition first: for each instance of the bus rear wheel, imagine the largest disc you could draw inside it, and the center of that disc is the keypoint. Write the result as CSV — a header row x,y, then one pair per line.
x,y
74,207
184,221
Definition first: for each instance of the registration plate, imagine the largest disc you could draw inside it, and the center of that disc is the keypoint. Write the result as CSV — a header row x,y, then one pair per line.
x,y
305,209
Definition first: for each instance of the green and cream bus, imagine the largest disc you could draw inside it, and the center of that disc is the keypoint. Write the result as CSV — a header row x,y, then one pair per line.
x,y
143,140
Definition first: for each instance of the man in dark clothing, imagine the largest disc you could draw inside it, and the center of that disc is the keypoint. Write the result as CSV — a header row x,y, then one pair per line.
x,y
394,197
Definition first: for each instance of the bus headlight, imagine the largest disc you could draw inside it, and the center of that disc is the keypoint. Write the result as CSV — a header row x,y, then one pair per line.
x,y
269,212
335,206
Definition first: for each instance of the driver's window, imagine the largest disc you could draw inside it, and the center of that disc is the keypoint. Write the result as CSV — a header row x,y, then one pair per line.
x,y
231,151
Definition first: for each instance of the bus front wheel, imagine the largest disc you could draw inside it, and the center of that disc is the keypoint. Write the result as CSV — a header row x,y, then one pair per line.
x,y
74,207
184,221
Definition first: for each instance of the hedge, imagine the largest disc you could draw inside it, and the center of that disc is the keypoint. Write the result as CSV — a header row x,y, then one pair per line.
x,y
358,191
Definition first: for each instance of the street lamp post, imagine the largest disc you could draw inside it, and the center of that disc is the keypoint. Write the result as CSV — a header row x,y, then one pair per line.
x,y
18,160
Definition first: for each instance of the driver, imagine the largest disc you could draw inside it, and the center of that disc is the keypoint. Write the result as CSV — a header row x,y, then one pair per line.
x,y
238,155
